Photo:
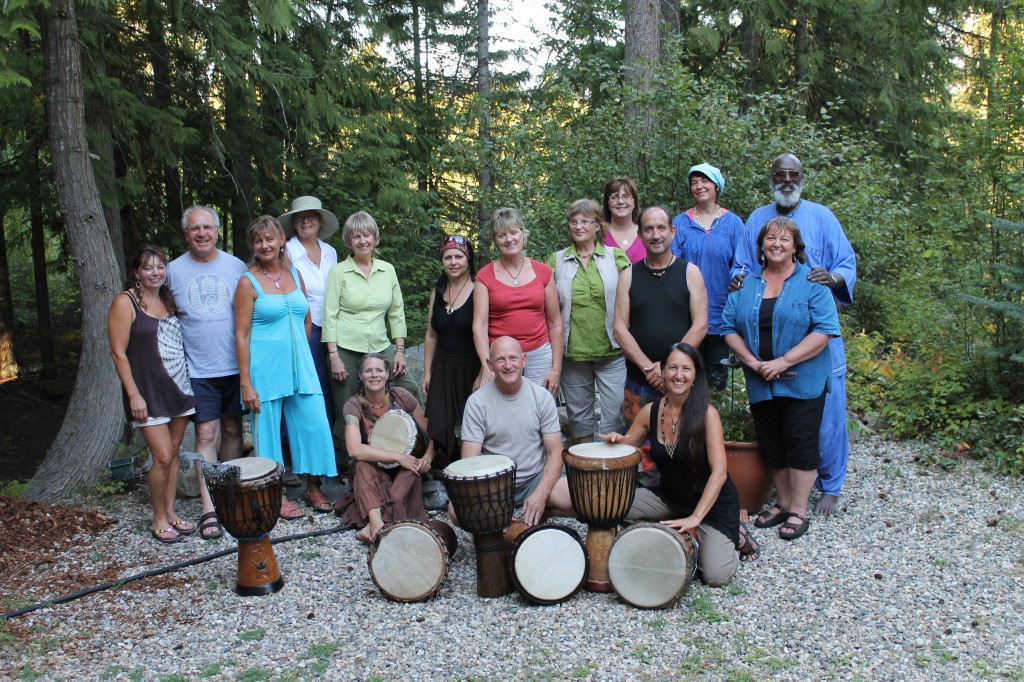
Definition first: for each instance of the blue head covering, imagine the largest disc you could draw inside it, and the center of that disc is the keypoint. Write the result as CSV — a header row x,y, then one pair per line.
x,y
711,173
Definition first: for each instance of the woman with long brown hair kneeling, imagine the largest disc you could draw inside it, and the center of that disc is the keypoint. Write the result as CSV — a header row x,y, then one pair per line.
x,y
386,486
696,494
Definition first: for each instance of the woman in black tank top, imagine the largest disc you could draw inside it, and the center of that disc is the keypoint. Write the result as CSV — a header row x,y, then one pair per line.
x,y
450,362
696,494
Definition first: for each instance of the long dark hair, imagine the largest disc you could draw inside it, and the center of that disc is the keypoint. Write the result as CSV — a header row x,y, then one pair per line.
x,y
693,420
133,284
441,285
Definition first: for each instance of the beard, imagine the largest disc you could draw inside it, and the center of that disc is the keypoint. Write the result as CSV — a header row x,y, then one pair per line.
x,y
783,199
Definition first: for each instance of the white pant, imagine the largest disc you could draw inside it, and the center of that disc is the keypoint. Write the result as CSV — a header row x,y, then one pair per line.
x,y
538,364
580,381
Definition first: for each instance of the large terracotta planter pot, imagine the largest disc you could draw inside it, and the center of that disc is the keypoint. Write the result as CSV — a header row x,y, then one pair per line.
x,y
749,474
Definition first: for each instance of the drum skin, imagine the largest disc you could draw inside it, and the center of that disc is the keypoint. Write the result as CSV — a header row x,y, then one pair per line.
x,y
548,564
651,565
602,484
249,510
408,561
397,431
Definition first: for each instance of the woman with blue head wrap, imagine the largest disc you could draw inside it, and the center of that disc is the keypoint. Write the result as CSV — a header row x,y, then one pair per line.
x,y
707,235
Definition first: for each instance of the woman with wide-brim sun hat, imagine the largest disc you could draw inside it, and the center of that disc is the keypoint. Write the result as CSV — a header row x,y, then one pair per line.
x,y
308,225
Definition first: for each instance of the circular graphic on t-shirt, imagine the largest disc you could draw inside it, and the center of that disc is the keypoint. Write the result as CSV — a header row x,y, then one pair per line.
x,y
208,294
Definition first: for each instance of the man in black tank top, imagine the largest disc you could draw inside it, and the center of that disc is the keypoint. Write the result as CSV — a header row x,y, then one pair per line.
x,y
660,302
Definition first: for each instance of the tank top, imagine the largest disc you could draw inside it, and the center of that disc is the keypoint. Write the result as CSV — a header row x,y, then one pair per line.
x,y
455,331
678,488
659,311
156,355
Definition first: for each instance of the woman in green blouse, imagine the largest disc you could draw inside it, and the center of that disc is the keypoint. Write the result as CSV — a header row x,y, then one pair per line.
x,y
586,276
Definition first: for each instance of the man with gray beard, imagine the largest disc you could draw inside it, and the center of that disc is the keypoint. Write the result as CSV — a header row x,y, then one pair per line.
x,y
834,265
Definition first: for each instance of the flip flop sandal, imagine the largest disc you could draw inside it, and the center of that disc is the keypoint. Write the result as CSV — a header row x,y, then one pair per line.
x,y
290,512
795,529
210,520
318,502
183,527
162,537
770,519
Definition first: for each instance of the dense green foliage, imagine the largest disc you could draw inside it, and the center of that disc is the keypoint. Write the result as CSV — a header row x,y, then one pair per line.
x,y
906,115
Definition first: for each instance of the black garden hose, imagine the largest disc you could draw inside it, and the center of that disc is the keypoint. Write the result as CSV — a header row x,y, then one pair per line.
x,y
160,571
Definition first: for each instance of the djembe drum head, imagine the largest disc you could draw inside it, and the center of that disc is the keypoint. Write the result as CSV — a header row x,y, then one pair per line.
x,y
650,565
408,561
548,564
397,431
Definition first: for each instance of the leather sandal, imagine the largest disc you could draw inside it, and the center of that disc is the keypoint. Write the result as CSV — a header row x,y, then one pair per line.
x,y
290,512
771,517
791,530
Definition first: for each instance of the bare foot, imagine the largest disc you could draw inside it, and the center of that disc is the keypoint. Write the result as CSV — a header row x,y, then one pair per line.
x,y
827,505
369,532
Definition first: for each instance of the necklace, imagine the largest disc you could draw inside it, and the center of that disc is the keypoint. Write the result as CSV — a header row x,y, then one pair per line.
x,y
714,221
450,306
660,272
669,447
515,277
628,239
277,281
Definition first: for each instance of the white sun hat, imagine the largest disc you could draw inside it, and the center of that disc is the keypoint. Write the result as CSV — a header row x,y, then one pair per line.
x,y
328,221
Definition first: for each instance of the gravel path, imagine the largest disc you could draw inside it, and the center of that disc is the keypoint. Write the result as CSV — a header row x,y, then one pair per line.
x,y
919,577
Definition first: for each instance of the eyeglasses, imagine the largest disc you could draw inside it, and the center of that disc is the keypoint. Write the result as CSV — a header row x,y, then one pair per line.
x,y
782,175
455,239
308,218
624,198
581,222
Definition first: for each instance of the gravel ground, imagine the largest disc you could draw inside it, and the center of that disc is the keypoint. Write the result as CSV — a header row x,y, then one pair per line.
x,y
918,577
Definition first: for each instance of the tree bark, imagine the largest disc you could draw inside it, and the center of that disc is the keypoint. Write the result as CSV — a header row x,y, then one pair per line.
x,y
44,328
483,90
642,55
8,362
89,433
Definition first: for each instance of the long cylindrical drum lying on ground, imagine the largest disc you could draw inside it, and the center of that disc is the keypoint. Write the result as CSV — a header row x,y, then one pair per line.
x,y
548,563
651,565
408,561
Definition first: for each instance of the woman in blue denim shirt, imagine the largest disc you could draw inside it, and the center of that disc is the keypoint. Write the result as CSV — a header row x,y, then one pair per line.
x,y
778,325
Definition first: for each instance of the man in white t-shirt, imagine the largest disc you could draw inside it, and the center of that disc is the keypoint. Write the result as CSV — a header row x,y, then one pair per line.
x,y
518,419
203,282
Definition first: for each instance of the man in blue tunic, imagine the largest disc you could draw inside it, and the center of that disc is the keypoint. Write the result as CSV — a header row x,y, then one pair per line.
x,y
834,265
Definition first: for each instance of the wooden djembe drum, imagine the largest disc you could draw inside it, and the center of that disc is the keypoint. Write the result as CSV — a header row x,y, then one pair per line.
x,y
249,508
602,483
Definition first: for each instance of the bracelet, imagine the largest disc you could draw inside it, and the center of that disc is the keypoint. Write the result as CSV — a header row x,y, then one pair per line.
x,y
399,349
333,351
832,278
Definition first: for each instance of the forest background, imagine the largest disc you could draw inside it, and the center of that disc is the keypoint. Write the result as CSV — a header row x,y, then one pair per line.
x,y
907,115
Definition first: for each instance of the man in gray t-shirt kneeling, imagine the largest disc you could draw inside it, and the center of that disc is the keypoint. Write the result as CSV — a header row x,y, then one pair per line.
x,y
518,419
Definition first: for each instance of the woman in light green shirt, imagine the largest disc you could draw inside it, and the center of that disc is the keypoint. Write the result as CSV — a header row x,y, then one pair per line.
x,y
586,277
362,301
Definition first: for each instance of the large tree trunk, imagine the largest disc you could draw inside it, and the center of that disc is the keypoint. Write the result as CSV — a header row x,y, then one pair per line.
x,y
8,363
44,330
642,54
93,420
483,90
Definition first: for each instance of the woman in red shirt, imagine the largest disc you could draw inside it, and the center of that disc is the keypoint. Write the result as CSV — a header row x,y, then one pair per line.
x,y
516,296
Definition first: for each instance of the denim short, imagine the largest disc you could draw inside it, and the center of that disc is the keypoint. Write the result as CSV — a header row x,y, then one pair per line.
x,y
217,397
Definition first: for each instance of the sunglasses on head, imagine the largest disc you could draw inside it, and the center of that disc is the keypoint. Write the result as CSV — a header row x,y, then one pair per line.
x,y
455,239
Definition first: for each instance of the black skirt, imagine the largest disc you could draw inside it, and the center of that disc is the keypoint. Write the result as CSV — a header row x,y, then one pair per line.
x,y
451,381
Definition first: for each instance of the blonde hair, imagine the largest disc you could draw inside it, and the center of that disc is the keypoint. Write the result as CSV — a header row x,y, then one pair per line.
x,y
360,221
267,223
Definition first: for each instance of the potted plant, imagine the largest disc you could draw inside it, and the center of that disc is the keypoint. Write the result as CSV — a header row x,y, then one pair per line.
x,y
745,464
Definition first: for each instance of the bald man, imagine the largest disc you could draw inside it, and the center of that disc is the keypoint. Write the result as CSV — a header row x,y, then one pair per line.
x,y
518,419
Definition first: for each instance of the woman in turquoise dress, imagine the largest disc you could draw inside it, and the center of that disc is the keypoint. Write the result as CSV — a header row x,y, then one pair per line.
x,y
276,370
